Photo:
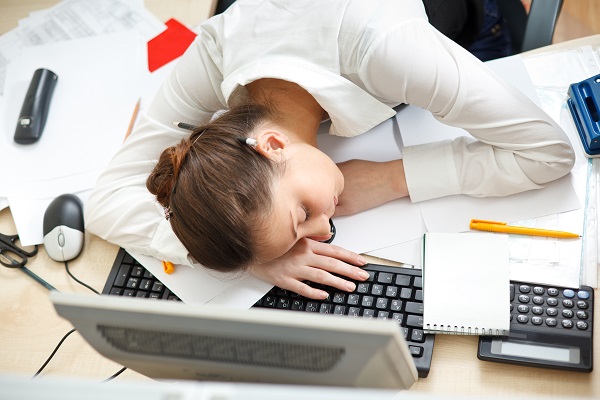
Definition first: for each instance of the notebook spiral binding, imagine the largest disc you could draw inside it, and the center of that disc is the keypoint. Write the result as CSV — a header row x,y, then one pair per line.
x,y
463,330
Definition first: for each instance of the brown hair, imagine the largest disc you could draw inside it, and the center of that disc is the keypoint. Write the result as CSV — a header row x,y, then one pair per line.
x,y
217,189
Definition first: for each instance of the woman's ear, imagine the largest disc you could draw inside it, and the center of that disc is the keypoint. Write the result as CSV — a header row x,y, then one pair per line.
x,y
271,143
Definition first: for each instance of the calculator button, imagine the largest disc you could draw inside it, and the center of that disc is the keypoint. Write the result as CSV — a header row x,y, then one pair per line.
x,y
551,322
567,313
522,308
582,325
567,323
552,301
553,291
568,303
512,291
582,304
536,320
522,319
582,315
582,294
537,310
569,293
523,298
524,288
551,311
538,299
538,290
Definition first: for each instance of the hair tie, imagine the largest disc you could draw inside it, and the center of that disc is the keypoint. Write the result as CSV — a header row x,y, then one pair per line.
x,y
168,213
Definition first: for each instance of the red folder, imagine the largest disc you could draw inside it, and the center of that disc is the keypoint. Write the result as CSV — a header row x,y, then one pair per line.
x,y
169,45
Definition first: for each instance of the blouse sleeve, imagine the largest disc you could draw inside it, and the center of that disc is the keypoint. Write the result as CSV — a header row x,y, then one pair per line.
x,y
120,209
514,147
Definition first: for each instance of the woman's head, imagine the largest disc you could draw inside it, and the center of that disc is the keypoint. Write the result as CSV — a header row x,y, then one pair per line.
x,y
232,204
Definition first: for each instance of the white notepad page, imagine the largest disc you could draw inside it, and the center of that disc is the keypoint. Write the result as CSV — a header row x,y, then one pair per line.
x,y
466,283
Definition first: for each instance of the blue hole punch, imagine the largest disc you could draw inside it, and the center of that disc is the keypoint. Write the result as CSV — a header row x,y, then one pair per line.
x,y
583,102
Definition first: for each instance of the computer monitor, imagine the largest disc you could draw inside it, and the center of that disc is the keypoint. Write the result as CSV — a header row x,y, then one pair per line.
x,y
171,340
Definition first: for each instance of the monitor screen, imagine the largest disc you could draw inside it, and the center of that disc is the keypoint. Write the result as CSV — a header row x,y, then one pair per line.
x,y
173,340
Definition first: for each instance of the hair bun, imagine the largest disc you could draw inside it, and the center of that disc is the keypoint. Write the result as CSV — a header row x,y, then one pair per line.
x,y
163,177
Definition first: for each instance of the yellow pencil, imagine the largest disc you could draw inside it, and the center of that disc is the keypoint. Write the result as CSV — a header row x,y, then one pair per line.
x,y
501,227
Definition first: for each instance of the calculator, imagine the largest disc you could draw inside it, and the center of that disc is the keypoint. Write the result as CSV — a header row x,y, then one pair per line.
x,y
550,327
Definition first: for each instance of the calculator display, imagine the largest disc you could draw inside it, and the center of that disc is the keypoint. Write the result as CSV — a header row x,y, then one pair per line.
x,y
536,351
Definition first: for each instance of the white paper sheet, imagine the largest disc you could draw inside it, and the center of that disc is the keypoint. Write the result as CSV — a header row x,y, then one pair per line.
x,y
197,285
98,86
76,19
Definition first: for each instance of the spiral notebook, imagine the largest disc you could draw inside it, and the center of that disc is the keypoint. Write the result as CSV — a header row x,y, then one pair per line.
x,y
466,283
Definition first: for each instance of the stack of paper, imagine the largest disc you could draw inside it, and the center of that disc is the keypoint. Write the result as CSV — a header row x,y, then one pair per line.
x,y
98,51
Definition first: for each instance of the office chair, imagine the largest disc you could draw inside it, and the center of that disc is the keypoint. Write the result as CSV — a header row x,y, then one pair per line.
x,y
534,29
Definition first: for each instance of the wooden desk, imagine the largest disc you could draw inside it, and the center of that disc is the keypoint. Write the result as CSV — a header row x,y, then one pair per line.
x,y
30,328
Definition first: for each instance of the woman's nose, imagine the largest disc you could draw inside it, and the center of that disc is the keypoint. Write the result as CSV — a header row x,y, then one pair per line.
x,y
320,226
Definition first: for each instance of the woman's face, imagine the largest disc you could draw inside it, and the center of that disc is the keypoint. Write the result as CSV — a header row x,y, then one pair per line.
x,y
304,200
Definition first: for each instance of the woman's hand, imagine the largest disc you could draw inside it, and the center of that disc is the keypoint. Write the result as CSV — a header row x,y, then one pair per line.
x,y
368,184
313,261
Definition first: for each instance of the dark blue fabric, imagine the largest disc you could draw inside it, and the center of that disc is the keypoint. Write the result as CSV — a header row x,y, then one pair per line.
x,y
493,40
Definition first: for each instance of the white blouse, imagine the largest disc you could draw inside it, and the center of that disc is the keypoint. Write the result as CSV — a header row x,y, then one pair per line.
x,y
357,59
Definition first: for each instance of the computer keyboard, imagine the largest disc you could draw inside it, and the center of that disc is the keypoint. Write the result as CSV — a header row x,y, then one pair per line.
x,y
390,292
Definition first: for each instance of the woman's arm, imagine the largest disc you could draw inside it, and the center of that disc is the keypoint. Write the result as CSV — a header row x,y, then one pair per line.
x,y
369,184
515,145
120,208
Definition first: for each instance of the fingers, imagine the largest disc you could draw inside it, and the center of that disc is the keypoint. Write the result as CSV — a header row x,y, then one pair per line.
x,y
336,252
316,262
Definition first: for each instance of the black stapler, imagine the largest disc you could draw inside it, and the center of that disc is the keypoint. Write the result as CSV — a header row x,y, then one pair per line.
x,y
36,105
583,102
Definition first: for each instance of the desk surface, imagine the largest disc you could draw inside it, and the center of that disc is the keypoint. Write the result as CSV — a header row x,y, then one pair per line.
x,y
31,329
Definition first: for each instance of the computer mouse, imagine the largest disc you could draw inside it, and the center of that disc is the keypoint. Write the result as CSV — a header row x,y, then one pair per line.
x,y
63,228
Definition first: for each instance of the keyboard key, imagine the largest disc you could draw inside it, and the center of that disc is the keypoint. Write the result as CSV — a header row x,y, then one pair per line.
x,y
384,277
